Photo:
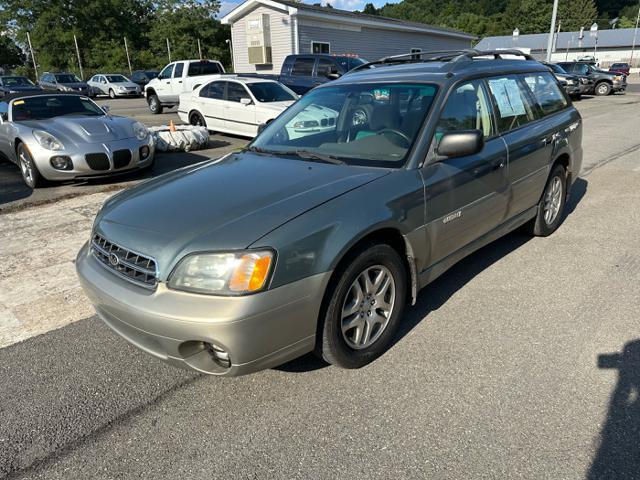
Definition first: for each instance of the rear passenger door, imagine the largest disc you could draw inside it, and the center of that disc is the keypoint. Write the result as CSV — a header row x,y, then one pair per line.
x,y
239,118
301,79
528,140
466,197
211,104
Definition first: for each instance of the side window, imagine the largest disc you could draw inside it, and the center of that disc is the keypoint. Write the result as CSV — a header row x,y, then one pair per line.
x,y
546,92
582,69
177,72
513,108
235,92
103,79
166,72
4,110
214,90
467,108
303,67
325,67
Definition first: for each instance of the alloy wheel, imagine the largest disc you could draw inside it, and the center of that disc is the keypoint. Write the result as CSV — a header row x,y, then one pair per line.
x,y
368,307
26,167
552,201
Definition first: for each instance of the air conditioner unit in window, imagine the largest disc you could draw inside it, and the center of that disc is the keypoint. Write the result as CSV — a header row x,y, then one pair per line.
x,y
259,39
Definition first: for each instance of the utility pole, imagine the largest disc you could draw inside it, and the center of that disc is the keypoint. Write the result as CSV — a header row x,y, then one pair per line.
x,y
553,29
126,49
75,40
635,33
169,50
33,57
199,50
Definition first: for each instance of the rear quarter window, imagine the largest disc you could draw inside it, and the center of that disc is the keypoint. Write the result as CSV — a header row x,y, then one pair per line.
x,y
546,92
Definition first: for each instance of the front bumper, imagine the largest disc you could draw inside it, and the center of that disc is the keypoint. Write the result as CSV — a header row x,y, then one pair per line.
x,y
258,331
81,168
573,89
619,86
128,93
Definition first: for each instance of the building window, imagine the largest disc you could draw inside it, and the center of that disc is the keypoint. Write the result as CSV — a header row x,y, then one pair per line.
x,y
415,50
320,47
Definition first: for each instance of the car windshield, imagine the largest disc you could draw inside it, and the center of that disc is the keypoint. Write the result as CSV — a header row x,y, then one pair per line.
x,y
363,124
48,106
203,68
556,68
67,78
15,81
271,92
116,78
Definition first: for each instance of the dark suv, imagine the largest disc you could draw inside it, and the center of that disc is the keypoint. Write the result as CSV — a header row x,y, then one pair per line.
x,y
575,85
604,83
319,239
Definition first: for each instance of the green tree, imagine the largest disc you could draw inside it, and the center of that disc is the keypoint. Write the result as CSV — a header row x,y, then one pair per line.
x,y
577,13
370,9
11,55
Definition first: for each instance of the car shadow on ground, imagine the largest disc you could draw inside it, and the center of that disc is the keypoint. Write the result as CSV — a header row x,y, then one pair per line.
x,y
12,187
436,294
618,456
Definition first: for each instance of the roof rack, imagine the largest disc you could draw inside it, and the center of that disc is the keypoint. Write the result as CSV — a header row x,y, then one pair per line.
x,y
441,56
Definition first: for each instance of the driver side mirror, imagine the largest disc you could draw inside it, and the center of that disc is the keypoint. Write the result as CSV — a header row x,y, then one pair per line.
x,y
245,101
460,143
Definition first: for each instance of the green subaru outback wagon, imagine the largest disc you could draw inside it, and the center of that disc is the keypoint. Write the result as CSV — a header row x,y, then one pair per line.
x,y
316,239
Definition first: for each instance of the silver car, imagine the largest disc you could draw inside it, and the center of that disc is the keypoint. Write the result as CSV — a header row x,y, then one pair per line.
x,y
114,85
60,136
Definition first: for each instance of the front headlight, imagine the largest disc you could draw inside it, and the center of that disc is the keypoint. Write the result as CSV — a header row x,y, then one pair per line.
x,y
120,88
571,82
233,273
65,88
48,141
140,131
618,78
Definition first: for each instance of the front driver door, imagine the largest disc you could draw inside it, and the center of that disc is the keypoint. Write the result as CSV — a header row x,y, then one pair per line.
x,y
163,85
466,197
240,117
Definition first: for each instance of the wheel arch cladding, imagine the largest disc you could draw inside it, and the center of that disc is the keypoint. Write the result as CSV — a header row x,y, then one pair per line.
x,y
564,160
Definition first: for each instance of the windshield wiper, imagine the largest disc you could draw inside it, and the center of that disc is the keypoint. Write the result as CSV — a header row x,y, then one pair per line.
x,y
305,154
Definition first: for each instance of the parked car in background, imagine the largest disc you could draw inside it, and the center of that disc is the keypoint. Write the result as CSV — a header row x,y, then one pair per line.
x,y
142,77
64,82
64,136
302,72
178,77
574,85
235,105
623,68
114,85
604,83
316,243
16,84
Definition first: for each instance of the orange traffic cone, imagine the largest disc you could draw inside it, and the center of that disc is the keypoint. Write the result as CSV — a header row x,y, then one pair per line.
x,y
172,127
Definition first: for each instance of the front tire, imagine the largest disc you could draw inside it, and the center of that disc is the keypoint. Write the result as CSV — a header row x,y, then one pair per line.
x,y
552,203
112,94
30,173
603,89
363,307
154,104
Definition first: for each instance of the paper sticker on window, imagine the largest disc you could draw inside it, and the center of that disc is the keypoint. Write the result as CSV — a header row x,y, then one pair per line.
x,y
507,95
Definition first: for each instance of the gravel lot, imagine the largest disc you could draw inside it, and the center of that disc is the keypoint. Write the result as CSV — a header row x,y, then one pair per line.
x,y
521,362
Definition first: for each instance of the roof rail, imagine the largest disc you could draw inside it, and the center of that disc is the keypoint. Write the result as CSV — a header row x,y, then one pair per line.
x,y
441,56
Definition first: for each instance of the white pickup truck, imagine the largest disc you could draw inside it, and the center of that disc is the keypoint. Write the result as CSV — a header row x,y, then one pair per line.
x,y
178,77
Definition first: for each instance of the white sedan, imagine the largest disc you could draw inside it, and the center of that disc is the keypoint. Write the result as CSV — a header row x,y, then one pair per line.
x,y
235,105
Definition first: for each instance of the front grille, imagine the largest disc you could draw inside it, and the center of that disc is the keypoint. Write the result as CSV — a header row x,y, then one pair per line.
x,y
97,161
121,158
130,265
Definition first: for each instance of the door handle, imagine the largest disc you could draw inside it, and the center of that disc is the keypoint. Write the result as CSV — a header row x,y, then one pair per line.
x,y
180,81
499,163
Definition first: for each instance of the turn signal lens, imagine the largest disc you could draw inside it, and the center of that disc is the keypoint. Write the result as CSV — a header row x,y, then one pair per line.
x,y
250,274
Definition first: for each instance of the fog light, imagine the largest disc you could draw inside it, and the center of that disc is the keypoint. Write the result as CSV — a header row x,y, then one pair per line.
x,y
219,355
144,152
61,162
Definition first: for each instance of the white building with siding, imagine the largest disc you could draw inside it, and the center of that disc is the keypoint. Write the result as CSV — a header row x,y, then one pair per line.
x,y
264,32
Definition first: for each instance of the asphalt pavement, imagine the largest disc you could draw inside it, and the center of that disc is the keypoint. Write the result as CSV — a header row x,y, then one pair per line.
x,y
520,362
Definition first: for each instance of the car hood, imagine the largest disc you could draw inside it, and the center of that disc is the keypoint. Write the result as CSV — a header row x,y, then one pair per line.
x,y
224,204
80,129
276,107
124,84
21,88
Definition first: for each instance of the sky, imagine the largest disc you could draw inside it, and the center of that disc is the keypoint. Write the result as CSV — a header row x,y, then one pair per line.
x,y
226,6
